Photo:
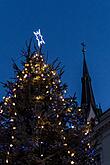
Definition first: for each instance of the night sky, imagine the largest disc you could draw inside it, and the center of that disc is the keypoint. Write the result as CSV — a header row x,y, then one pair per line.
x,y
64,25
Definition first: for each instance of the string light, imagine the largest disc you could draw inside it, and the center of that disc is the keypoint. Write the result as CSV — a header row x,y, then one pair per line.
x,y
15,114
65,144
12,137
57,115
68,152
6,160
14,128
1,111
72,162
27,65
72,154
50,98
12,120
59,123
13,104
25,75
11,145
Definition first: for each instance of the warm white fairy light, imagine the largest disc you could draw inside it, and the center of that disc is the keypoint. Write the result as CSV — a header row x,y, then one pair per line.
x,y
14,128
72,162
59,123
12,120
57,115
69,152
64,91
15,114
11,145
13,104
8,153
12,137
65,144
72,154
1,111
25,75
50,98
6,160
15,95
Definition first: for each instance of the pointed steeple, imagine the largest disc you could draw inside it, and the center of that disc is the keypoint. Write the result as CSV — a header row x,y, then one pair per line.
x,y
87,96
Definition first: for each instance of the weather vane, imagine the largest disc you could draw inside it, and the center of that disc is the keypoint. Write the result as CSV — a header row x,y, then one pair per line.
x,y
39,38
84,47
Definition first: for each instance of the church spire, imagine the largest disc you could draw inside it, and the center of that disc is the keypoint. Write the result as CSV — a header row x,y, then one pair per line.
x,y
87,96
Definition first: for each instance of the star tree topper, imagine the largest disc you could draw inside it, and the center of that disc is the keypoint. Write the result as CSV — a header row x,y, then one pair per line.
x,y
39,38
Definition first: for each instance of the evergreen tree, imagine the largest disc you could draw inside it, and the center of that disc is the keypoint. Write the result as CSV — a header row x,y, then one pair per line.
x,y
40,125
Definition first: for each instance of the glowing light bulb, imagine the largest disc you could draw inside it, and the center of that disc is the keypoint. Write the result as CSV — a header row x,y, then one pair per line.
x,y
15,95
79,109
12,137
1,111
6,160
72,154
14,128
15,114
57,115
42,155
72,162
25,75
12,120
68,152
65,144
11,145
59,123
38,117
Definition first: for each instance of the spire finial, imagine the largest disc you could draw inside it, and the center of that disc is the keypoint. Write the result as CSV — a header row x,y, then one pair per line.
x,y
83,47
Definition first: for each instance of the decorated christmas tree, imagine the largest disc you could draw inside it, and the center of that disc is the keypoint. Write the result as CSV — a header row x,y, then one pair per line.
x,y
38,124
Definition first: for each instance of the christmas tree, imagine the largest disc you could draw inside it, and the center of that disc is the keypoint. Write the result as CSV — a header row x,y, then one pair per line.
x,y
39,125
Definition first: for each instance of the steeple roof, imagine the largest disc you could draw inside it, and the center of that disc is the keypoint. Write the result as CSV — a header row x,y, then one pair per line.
x,y
87,96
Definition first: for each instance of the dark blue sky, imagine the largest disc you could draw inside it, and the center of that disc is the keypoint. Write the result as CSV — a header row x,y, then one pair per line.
x,y
64,25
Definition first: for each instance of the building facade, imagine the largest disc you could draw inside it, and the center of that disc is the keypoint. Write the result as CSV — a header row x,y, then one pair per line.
x,y
101,131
